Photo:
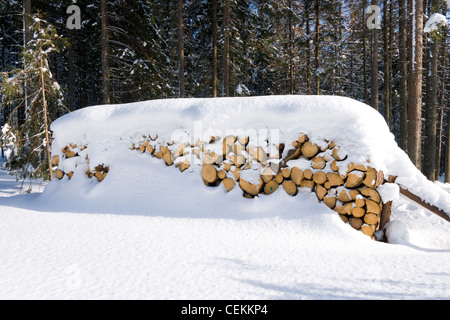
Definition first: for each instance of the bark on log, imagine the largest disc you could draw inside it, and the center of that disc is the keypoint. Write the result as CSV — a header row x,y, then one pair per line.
x,y
386,210
292,155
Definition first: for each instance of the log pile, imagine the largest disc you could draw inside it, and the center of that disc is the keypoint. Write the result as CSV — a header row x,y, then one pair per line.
x,y
346,187
231,162
80,157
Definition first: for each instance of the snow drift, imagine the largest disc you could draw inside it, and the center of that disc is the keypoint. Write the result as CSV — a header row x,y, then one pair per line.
x,y
134,180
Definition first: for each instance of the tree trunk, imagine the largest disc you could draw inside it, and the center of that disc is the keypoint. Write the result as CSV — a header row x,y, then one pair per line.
x,y
291,51
226,48
403,89
415,84
364,50
214,39
431,104
317,45
181,49
308,48
374,67
46,125
387,65
105,53
26,39
441,107
71,72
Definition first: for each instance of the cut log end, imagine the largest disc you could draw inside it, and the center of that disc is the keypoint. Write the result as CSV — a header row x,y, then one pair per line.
x,y
209,173
228,184
270,187
290,187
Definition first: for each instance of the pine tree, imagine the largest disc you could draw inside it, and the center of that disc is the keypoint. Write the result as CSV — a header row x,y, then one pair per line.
x,y
29,156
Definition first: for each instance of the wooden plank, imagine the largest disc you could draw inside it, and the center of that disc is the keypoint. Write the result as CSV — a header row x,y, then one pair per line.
x,y
428,206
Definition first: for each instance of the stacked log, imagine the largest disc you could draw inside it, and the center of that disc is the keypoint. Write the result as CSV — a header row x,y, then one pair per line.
x,y
72,151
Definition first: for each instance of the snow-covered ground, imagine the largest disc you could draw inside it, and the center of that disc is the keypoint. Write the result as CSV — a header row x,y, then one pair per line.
x,y
298,250
150,232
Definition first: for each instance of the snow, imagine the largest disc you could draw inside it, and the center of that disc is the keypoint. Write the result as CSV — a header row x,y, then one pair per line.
x,y
150,232
396,232
275,247
389,192
252,175
436,20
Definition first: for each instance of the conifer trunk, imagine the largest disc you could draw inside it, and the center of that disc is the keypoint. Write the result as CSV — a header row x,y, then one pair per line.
x,y
374,67
431,104
291,51
403,89
317,45
105,53
387,65
415,84
366,86
26,39
46,125
226,48
214,39
181,48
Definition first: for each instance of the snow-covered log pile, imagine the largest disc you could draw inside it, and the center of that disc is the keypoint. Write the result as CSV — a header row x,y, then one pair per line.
x,y
318,166
337,148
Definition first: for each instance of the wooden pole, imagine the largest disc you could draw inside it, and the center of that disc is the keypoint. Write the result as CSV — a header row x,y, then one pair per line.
x,y
427,206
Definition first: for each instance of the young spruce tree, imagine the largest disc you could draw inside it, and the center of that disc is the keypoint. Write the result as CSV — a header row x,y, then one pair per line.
x,y
29,150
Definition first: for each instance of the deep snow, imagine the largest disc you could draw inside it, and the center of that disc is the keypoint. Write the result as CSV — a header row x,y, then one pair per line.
x,y
150,232
297,250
